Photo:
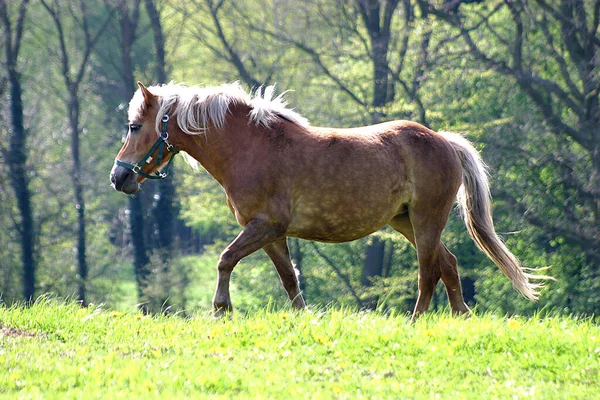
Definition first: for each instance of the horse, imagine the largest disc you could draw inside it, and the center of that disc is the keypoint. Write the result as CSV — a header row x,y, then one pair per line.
x,y
286,178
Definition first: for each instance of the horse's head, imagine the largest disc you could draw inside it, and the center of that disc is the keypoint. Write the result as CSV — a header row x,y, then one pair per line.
x,y
147,148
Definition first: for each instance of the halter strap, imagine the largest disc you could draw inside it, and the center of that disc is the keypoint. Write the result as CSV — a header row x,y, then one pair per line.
x,y
162,144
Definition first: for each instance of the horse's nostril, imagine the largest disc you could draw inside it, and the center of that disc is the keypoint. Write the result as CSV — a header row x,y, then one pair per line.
x,y
124,180
118,178
118,184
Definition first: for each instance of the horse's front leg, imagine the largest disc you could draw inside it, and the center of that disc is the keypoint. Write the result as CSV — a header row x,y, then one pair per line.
x,y
256,234
279,253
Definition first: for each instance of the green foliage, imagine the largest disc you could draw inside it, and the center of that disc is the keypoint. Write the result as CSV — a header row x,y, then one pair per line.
x,y
544,197
58,350
204,206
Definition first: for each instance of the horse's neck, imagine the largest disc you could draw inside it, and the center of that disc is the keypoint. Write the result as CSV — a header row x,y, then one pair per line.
x,y
219,150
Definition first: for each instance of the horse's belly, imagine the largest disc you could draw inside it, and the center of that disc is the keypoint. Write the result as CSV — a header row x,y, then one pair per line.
x,y
342,222
323,235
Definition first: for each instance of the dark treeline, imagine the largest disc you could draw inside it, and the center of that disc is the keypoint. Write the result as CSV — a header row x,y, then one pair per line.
x,y
520,78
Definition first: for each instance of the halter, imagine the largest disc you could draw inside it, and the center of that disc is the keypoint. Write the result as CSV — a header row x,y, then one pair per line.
x,y
161,144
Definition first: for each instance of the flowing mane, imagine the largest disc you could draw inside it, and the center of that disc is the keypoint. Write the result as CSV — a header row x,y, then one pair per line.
x,y
197,107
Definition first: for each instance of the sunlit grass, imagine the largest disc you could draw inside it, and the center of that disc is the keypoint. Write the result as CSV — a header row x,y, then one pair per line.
x,y
58,350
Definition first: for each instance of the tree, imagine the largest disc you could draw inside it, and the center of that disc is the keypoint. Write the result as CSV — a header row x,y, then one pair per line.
x,y
165,213
128,24
549,51
73,76
16,154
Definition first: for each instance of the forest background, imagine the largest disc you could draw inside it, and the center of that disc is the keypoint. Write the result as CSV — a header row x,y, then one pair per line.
x,y
520,78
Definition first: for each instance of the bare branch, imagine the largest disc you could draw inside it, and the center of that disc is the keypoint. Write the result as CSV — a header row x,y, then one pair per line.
x,y
7,33
559,59
64,56
19,30
90,41
517,46
339,273
234,57
485,20
568,22
407,31
159,41
316,59
596,19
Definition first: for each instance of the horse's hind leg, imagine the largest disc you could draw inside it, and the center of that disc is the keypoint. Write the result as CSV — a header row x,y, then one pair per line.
x,y
445,265
449,268
278,253
426,241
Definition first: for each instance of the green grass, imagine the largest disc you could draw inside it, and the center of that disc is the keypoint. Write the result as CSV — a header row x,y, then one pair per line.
x,y
57,350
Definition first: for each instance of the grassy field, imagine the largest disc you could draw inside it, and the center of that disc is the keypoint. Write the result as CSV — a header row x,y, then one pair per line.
x,y
57,350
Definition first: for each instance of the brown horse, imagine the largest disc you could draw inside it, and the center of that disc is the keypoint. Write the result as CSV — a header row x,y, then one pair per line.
x,y
284,178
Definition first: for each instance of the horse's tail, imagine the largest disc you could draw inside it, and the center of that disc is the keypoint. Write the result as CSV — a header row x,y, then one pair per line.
x,y
475,202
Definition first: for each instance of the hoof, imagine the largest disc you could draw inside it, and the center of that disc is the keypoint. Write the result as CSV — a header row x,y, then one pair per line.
x,y
298,303
462,311
222,310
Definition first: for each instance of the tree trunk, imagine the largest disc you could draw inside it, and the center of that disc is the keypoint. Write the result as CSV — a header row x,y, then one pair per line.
x,y
379,43
373,266
17,155
140,256
164,211
164,215
82,266
377,19
378,26
159,41
137,222
17,163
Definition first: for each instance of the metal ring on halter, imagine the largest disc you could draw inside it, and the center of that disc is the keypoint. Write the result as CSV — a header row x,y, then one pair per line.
x,y
164,135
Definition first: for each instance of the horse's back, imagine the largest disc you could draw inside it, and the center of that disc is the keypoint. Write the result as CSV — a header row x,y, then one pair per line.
x,y
402,147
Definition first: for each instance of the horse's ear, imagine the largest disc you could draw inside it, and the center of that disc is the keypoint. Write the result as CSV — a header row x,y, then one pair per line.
x,y
148,97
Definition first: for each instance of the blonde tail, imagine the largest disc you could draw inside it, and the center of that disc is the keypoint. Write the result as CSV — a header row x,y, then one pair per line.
x,y
475,202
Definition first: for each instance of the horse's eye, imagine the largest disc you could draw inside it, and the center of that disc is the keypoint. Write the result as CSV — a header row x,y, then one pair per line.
x,y
134,127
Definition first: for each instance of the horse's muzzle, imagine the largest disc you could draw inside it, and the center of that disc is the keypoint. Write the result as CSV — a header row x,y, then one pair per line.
x,y
124,180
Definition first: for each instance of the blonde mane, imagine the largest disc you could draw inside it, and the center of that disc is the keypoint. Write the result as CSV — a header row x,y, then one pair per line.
x,y
197,107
